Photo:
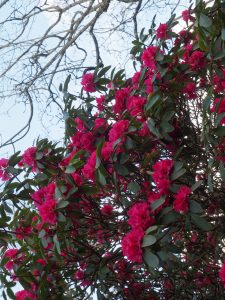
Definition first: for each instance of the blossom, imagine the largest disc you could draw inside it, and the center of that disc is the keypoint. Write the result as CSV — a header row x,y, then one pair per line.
x,y
117,130
107,150
186,15
4,176
89,168
47,211
180,203
139,216
135,105
100,101
222,274
77,178
29,158
25,295
120,100
88,82
148,57
107,209
219,107
190,90
161,31
196,61
131,245
12,254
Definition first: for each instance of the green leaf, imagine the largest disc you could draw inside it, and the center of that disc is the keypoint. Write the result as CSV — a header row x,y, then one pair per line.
x,y
156,204
62,204
153,128
10,293
223,34
133,187
220,131
101,178
196,185
121,170
201,223
151,259
171,217
151,229
195,207
148,240
222,171
152,100
41,177
177,173
70,169
56,242
204,21
210,183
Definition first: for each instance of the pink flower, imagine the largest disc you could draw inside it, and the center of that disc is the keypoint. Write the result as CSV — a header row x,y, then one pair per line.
x,y
190,90
88,82
148,57
107,150
222,274
79,275
29,158
89,168
25,295
131,245
139,216
162,31
4,176
99,122
77,178
120,100
135,106
107,209
135,79
80,124
186,15
180,203
12,254
100,101
219,107
47,211
118,129
196,61
43,194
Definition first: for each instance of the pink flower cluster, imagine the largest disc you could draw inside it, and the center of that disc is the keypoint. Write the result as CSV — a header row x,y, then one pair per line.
x,y
45,201
162,170
88,82
4,175
131,245
180,203
25,295
29,158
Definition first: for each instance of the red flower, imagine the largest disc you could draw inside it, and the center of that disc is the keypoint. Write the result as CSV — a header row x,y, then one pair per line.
x,y
47,211
120,100
135,106
161,31
117,130
219,107
100,101
148,57
29,158
4,176
88,82
12,254
186,15
25,295
89,168
107,209
140,216
131,245
222,274
190,90
197,61
180,203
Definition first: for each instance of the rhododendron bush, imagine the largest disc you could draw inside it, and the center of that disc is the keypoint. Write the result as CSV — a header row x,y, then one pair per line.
x,y
132,206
